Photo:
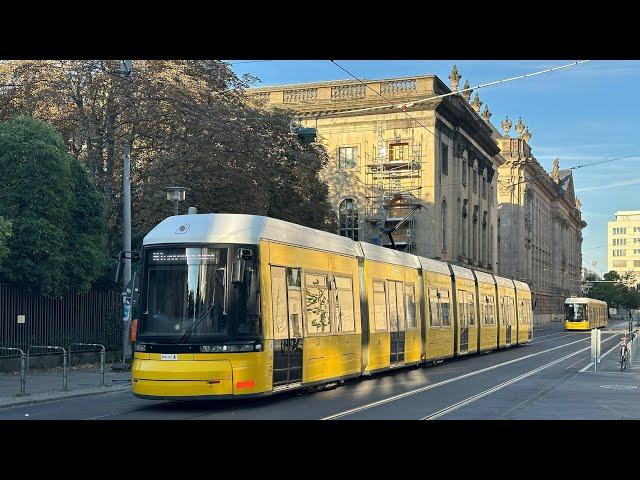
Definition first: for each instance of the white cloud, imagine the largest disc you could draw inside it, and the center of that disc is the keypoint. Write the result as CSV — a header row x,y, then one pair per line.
x,y
633,181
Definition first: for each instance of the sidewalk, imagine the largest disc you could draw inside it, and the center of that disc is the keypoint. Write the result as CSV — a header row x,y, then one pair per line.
x,y
45,385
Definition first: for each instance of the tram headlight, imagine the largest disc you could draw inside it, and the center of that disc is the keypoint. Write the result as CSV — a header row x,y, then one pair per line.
x,y
140,347
210,348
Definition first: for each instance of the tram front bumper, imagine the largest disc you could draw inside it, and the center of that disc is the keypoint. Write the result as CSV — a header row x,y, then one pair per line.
x,y
181,378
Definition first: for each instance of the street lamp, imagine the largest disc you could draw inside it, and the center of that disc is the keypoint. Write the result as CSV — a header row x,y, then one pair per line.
x,y
177,195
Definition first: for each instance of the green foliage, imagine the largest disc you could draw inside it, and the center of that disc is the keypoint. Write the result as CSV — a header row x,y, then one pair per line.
x,y
618,294
188,123
5,233
55,219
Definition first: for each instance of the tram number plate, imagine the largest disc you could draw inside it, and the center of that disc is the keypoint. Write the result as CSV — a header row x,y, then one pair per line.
x,y
168,356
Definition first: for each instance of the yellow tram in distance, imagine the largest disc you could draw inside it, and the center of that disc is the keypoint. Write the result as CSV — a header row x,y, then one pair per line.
x,y
236,306
582,313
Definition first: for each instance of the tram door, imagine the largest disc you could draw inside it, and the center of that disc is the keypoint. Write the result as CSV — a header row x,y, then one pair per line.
x,y
286,307
463,316
397,325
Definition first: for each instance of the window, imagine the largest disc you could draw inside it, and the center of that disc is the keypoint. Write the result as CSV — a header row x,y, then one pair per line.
x,y
463,316
434,308
443,224
444,165
279,303
317,303
636,263
621,241
398,151
347,157
488,313
410,305
444,308
636,229
619,253
620,230
343,305
471,309
635,240
348,218
636,251
620,263
379,307
294,295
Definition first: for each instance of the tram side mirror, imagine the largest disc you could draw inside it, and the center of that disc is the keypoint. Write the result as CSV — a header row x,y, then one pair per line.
x,y
134,256
237,271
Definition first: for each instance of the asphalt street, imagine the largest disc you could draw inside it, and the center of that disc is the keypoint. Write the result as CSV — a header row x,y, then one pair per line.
x,y
542,380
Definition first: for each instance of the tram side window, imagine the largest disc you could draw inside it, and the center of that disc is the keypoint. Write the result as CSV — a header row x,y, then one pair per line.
x,y
379,307
317,303
488,314
462,308
410,305
434,308
471,309
444,307
294,294
279,303
343,301
400,306
393,310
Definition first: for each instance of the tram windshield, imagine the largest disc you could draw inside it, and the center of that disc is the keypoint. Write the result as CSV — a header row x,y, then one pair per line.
x,y
575,312
188,297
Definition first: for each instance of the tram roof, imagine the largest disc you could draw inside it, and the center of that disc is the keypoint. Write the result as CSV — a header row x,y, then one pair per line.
x,y
583,300
484,277
462,272
247,229
386,255
504,282
521,286
432,265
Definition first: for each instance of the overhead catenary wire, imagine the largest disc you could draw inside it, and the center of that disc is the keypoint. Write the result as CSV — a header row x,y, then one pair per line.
x,y
435,97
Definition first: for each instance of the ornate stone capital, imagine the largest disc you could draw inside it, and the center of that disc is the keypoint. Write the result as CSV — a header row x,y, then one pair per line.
x,y
555,173
467,93
455,78
506,125
519,127
486,114
476,104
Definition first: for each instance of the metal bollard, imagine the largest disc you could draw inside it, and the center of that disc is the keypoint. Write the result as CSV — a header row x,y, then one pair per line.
x,y
102,367
22,375
65,370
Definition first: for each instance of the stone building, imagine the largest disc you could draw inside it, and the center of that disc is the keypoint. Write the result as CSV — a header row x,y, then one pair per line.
x,y
433,160
540,233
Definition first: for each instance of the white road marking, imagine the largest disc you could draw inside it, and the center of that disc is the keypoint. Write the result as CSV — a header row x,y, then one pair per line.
x,y
480,395
444,382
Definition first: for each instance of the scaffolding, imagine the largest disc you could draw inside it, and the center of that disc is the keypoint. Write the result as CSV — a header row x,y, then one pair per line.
x,y
393,183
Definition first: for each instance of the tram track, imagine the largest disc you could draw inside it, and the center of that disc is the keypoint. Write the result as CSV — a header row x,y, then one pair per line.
x,y
474,397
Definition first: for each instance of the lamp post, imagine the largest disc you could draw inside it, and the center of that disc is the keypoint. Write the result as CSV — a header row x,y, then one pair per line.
x,y
177,195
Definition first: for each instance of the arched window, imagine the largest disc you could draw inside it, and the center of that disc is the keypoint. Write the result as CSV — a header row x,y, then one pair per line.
x,y
443,224
348,218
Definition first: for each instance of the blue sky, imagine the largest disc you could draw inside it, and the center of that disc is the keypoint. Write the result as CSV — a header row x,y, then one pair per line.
x,y
582,114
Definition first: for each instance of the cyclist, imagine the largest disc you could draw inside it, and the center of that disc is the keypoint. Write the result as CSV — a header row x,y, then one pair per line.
x,y
624,353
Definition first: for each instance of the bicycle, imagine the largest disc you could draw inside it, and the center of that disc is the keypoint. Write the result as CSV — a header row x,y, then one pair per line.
x,y
624,354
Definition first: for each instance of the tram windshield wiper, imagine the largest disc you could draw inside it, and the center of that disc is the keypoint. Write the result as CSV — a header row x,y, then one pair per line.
x,y
198,321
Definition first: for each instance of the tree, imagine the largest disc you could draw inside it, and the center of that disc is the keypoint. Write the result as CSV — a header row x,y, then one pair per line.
x,y
615,291
55,219
5,232
187,123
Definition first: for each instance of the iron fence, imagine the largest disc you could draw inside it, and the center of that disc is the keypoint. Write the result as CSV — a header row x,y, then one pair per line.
x,y
28,318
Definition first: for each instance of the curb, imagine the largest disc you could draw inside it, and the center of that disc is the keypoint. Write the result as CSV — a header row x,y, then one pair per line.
x,y
47,397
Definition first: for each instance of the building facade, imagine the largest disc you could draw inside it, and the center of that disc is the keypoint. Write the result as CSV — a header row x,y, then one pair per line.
x,y
423,167
540,240
623,243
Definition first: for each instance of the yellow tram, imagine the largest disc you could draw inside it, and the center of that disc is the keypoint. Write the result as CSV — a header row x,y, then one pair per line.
x,y
241,305
582,313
